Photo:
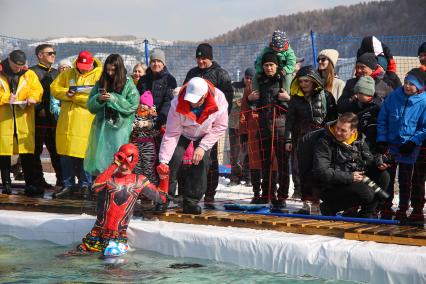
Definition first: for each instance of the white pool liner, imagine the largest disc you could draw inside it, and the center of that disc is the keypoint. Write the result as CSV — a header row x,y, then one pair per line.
x,y
293,254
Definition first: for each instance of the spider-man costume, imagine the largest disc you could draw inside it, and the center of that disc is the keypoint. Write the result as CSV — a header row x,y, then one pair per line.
x,y
117,190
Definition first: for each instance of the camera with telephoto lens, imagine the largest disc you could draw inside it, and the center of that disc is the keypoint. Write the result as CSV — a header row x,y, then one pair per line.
x,y
377,190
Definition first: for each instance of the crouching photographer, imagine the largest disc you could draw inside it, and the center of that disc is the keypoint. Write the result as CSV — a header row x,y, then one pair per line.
x,y
348,173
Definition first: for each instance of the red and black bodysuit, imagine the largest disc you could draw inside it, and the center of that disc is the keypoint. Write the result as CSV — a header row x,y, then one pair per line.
x,y
117,194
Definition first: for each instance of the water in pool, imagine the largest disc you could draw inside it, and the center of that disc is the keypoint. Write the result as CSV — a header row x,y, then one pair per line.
x,y
38,262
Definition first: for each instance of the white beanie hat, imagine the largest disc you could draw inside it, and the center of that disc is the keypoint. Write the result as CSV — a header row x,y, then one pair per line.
x,y
331,54
65,62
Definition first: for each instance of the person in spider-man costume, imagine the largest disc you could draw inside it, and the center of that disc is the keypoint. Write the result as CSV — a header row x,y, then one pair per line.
x,y
117,190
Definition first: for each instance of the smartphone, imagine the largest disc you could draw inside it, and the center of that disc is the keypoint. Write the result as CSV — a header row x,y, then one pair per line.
x,y
73,89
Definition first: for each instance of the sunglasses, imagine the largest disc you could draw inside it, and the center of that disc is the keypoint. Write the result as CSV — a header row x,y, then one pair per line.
x,y
248,78
50,53
322,59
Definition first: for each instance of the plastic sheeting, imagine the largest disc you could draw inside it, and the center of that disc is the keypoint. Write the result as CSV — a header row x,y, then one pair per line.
x,y
294,254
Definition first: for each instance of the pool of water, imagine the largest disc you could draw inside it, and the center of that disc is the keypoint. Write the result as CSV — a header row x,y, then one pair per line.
x,y
41,262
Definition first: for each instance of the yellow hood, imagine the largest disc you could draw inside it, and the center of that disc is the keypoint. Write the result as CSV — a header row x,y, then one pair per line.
x,y
351,140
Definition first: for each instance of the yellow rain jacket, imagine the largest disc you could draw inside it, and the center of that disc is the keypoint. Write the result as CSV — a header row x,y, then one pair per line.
x,y
75,120
28,87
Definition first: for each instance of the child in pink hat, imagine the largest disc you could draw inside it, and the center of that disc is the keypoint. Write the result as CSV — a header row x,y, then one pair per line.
x,y
143,136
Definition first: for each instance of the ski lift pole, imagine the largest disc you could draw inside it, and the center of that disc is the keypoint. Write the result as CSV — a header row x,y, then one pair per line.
x,y
314,49
146,43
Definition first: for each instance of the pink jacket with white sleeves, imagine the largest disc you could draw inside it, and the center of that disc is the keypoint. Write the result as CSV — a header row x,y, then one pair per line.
x,y
210,125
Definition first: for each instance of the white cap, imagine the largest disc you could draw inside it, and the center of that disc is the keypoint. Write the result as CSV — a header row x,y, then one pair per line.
x,y
195,89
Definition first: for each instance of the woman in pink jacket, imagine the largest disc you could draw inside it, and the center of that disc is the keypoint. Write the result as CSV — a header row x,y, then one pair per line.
x,y
198,114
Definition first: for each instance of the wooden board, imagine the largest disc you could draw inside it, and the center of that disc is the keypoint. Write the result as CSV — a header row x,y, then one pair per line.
x,y
391,234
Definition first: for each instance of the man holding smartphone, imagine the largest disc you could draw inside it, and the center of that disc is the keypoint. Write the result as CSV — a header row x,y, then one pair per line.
x,y
72,87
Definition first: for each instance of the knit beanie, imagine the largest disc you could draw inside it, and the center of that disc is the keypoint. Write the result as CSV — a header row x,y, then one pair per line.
x,y
147,99
204,50
158,54
422,48
369,60
18,57
365,85
417,77
249,72
270,57
65,62
279,39
331,54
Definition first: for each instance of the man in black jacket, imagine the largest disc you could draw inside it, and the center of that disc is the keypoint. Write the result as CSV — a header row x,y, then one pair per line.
x,y
208,69
343,165
271,101
45,131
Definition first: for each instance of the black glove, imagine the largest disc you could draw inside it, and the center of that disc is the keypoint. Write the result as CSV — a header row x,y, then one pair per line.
x,y
382,147
407,147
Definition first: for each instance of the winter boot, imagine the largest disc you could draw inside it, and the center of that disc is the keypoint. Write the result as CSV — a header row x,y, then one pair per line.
x,y
401,215
34,191
191,208
306,209
64,193
417,217
7,189
6,181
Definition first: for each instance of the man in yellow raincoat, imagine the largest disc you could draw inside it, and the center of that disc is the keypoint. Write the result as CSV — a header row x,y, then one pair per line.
x,y
20,90
72,87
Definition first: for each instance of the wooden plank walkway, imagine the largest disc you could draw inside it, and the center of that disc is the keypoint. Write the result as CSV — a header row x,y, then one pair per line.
x,y
391,234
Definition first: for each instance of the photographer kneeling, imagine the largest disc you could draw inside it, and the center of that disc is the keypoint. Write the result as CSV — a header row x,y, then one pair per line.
x,y
347,171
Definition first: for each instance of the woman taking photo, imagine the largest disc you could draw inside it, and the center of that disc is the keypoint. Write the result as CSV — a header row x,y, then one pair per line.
x,y
327,60
114,100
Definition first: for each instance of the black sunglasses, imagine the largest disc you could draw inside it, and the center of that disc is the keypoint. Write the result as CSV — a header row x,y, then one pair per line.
x,y
50,53
322,59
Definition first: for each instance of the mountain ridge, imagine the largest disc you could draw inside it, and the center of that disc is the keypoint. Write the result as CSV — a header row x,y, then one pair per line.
x,y
396,17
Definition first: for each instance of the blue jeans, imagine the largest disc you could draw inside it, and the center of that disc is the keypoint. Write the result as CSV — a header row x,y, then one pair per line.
x,y
72,167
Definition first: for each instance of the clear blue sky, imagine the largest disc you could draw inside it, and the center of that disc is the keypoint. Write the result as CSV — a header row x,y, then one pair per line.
x,y
160,19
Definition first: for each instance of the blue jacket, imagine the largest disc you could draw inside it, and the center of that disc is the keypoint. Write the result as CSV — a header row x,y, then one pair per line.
x,y
402,118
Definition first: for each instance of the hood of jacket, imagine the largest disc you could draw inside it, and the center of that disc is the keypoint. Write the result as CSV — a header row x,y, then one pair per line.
x,y
306,71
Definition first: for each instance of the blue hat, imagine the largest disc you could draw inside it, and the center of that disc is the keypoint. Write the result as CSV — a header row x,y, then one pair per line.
x,y
416,77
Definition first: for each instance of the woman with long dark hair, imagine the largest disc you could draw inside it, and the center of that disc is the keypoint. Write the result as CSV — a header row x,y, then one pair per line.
x,y
114,100
327,60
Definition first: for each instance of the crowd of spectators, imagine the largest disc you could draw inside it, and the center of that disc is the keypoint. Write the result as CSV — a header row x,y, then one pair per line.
x,y
342,143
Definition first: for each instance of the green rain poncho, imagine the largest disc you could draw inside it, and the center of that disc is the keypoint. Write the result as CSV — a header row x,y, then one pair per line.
x,y
111,127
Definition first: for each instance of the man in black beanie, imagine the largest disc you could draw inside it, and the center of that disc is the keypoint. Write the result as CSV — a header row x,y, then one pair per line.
x,y
271,102
20,92
210,70
366,65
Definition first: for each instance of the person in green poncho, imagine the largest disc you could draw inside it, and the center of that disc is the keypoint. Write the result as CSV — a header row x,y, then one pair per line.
x,y
114,100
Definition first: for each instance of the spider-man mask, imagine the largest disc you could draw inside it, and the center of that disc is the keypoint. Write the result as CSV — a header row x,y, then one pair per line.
x,y
129,154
